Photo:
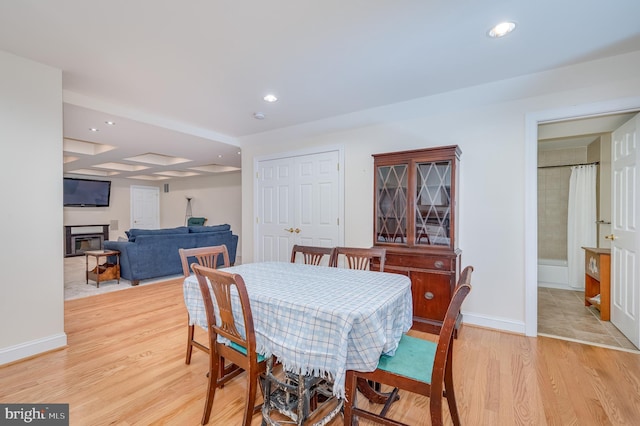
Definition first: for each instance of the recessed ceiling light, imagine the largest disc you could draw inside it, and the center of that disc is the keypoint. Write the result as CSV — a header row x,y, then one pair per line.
x,y
93,129
110,123
270,98
258,115
502,29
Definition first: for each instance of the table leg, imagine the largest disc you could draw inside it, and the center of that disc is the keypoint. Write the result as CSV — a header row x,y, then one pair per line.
x,y
293,396
86,267
97,271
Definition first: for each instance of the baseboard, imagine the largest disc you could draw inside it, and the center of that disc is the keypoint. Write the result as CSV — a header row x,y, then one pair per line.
x,y
558,286
32,348
501,324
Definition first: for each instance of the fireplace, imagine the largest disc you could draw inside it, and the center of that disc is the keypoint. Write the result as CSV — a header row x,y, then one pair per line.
x,y
82,238
83,243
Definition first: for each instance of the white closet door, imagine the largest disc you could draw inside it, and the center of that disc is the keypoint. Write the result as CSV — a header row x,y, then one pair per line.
x,y
298,202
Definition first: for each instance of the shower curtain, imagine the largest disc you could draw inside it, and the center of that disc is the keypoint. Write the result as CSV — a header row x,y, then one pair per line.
x,y
581,225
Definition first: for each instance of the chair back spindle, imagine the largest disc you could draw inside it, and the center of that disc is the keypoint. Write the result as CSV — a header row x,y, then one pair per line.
x,y
359,258
311,255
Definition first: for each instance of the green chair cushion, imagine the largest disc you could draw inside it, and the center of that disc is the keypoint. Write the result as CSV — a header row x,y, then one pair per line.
x,y
413,358
243,350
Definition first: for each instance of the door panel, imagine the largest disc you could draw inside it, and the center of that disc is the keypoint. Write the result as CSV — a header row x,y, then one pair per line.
x,y
275,210
145,207
625,299
298,202
317,202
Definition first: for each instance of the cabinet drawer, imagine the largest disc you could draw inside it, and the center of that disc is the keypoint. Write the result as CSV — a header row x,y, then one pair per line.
x,y
431,294
438,263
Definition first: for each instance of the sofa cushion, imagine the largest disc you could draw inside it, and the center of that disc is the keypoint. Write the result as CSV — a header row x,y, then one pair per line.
x,y
135,232
214,228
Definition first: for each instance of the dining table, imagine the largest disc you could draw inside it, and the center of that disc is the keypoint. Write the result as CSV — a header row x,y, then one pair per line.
x,y
319,320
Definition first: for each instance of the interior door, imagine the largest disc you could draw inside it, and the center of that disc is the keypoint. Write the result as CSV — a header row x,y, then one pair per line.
x,y
145,207
625,291
298,202
275,207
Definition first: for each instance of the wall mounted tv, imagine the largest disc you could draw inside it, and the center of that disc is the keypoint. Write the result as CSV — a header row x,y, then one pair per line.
x,y
86,192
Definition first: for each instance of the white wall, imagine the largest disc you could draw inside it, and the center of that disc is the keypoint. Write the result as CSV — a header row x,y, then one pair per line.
x,y
488,123
217,197
31,289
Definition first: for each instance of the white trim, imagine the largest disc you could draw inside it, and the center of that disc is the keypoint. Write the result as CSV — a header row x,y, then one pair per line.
x,y
532,120
299,153
34,347
616,348
542,284
495,323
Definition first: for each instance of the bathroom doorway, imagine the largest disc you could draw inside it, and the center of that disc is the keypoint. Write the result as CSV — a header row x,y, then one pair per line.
x,y
561,145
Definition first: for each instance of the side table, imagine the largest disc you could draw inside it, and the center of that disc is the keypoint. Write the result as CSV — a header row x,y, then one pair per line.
x,y
106,271
597,280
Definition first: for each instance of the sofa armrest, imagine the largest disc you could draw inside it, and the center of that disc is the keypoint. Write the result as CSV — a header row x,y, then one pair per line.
x,y
123,247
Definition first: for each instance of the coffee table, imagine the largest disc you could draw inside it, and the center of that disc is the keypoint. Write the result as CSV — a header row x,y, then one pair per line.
x,y
106,271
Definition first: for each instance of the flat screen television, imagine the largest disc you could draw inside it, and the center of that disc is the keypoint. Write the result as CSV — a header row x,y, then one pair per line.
x,y
86,192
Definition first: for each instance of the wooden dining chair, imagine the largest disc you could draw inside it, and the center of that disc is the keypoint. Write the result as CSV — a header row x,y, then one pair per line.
x,y
359,257
418,366
311,255
205,256
241,350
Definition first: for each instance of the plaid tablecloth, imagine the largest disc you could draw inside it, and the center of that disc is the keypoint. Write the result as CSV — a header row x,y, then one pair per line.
x,y
318,320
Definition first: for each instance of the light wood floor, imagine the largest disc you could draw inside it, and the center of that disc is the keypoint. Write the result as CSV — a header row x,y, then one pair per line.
x,y
125,366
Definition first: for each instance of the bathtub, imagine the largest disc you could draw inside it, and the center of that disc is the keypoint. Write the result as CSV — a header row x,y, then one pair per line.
x,y
553,273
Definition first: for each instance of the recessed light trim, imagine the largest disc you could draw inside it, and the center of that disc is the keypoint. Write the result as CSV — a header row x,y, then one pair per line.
x,y
502,29
110,123
93,129
258,115
270,98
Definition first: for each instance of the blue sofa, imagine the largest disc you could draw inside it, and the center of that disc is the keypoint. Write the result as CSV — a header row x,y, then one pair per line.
x,y
151,253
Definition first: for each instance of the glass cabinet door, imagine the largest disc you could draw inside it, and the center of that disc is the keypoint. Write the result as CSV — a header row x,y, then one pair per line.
x,y
433,203
391,209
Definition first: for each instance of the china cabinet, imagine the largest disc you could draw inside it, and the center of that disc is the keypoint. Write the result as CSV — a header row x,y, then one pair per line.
x,y
415,219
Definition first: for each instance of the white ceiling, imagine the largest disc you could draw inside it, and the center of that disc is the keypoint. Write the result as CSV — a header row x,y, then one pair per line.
x,y
184,78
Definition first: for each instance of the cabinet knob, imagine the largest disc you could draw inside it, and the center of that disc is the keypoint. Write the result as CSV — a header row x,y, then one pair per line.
x,y
428,295
439,264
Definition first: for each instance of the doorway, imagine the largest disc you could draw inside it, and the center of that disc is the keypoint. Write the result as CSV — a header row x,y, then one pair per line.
x,y
585,143
533,122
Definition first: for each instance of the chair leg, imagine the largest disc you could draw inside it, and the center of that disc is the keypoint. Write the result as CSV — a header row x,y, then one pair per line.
x,y
212,384
435,405
189,344
249,408
350,398
449,391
